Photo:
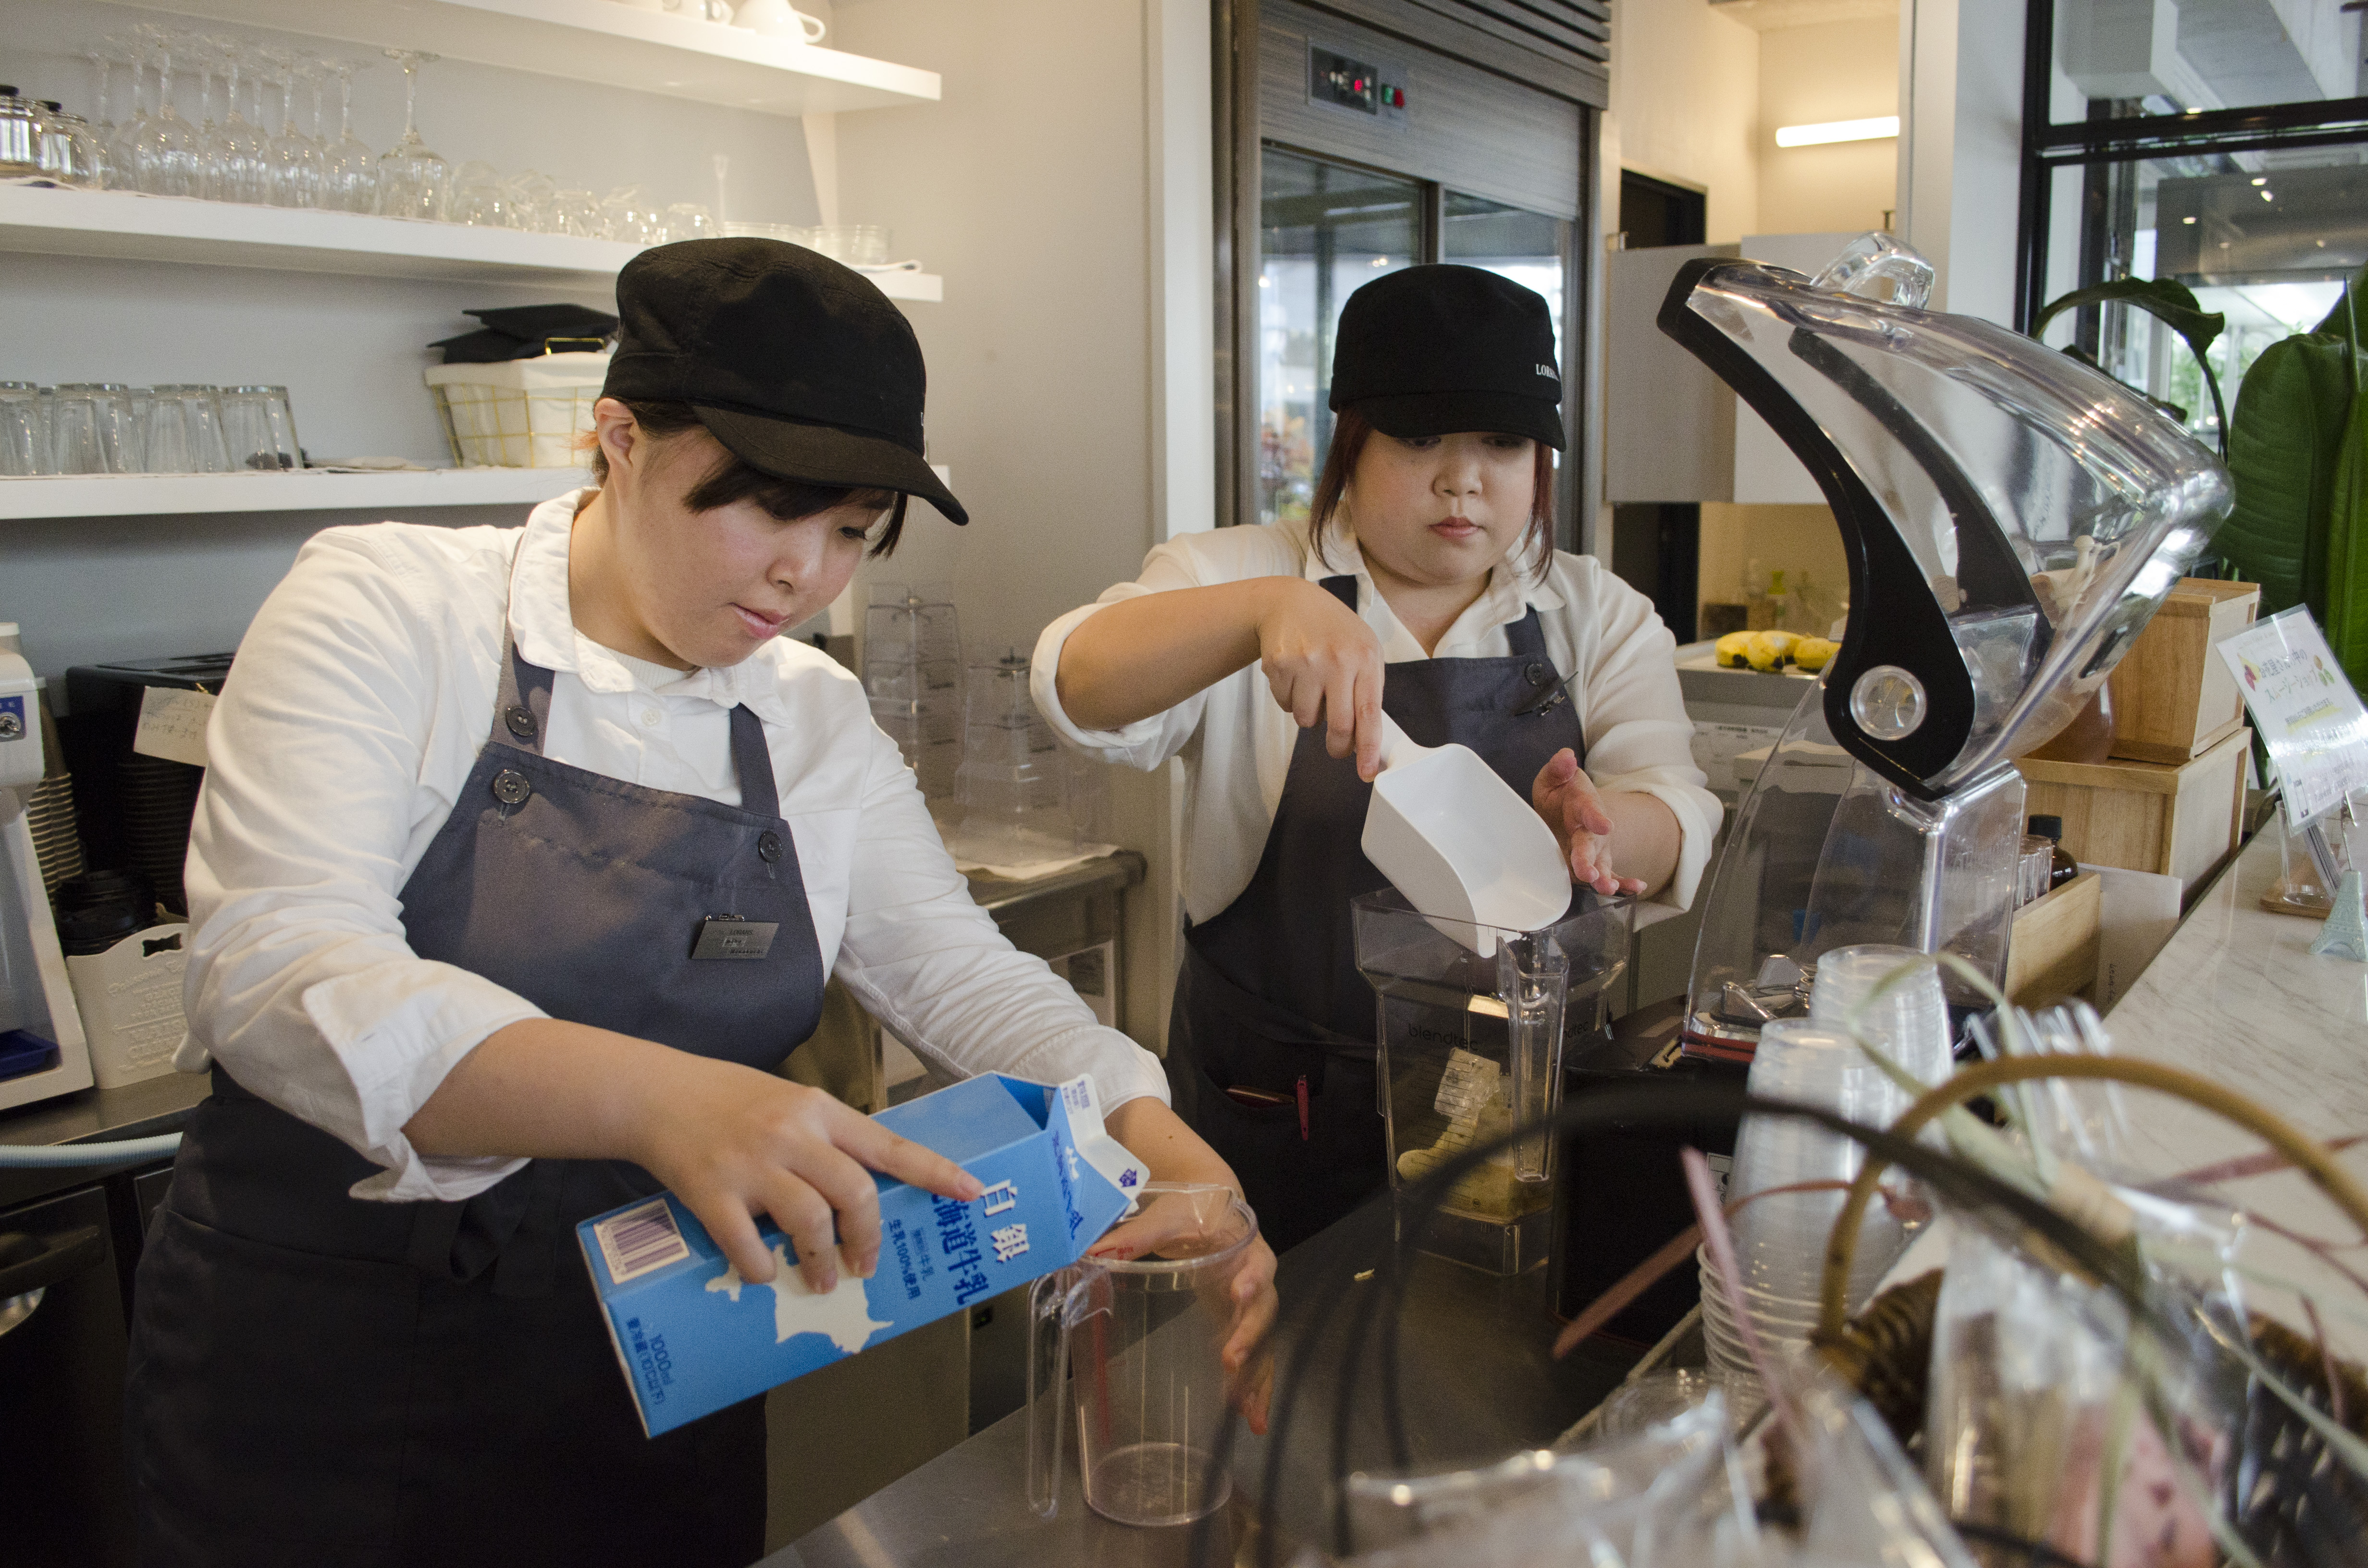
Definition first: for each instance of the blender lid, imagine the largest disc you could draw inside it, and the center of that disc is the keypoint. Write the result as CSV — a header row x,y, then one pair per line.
x,y
2012,516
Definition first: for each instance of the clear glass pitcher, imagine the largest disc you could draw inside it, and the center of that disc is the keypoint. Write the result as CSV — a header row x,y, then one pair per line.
x,y
1139,1343
1472,1045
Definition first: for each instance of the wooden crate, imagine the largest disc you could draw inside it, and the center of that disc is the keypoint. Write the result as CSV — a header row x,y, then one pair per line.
x,y
2053,950
2173,697
2180,821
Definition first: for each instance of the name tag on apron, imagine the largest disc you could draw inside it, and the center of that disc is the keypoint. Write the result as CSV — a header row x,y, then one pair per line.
x,y
729,937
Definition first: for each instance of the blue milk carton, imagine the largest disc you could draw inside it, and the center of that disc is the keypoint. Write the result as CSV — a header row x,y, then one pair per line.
x,y
693,1336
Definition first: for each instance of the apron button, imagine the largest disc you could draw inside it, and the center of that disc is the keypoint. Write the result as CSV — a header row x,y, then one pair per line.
x,y
768,847
1535,674
510,787
520,720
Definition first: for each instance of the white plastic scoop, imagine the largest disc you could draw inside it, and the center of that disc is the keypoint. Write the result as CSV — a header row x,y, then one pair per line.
x,y
1461,843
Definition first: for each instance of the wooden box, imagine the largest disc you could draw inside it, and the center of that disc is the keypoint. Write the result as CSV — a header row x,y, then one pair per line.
x,y
2180,821
2052,951
2173,697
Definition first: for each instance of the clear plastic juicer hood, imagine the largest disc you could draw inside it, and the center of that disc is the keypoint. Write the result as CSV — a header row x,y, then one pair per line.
x,y
2012,517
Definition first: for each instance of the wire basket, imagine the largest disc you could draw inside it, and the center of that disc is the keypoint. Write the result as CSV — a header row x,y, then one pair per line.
x,y
518,413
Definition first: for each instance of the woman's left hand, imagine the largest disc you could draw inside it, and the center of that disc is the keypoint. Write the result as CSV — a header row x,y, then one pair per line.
x,y
1566,798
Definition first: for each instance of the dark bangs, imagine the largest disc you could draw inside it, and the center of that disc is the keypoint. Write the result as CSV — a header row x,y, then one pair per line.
x,y
734,480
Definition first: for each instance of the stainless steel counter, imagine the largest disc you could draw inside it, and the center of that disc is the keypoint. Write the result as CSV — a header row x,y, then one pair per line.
x,y
1478,1385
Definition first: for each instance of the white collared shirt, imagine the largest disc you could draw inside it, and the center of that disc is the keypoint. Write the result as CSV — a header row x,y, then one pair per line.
x,y
364,691
1236,741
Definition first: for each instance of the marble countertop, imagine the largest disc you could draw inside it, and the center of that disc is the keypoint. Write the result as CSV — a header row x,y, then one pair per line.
x,y
2238,996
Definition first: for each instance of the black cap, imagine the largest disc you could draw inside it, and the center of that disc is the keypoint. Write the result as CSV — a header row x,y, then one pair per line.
x,y
797,365
1434,350
2047,827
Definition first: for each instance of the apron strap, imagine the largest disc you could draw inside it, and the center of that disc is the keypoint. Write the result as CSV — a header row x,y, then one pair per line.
x,y
1344,588
753,760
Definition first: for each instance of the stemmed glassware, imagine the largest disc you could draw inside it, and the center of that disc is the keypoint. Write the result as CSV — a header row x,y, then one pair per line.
x,y
165,153
410,176
238,148
102,124
295,161
349,169
124,152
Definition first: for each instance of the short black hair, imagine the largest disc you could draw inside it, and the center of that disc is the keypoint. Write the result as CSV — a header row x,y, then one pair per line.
x,y
734,480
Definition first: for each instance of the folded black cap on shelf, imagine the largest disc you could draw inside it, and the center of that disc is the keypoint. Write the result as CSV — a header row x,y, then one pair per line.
x,y
528,332
801,367
1437,349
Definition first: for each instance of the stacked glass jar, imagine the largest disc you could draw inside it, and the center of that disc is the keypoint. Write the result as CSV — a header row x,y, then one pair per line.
x,y
1014,780
912,670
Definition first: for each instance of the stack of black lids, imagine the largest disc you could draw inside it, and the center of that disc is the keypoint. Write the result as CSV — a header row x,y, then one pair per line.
x,y
528,332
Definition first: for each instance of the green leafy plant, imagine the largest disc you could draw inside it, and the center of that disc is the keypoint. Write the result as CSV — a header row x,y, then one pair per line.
x,y
2298,455
2169,302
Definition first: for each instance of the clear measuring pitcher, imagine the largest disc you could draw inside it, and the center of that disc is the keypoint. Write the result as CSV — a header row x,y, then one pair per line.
x,y
1139,1343
1471,1046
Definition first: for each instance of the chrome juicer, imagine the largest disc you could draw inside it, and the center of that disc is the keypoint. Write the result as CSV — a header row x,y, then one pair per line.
x,y
2013,519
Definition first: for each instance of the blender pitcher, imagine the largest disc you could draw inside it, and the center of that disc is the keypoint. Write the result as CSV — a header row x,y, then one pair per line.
x,y
1471,1046
1139,1342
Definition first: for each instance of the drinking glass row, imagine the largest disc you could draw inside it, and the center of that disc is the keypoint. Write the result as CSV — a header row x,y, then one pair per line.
x,y
230,151
107,427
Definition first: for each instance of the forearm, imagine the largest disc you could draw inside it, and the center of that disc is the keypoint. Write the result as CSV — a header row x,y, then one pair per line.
x,y
1645,838
546,1089
1157,1136
1141,656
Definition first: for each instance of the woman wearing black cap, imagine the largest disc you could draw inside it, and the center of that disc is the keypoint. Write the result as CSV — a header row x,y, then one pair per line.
x,y
522,860
1424,585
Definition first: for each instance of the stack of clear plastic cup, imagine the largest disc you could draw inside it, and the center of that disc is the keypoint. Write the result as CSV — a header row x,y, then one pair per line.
x,y
1013,778
912,671
1908,1023
1789,1173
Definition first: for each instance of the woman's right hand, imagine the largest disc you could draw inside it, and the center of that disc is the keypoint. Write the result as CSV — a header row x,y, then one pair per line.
x,y
733,1142
1324,665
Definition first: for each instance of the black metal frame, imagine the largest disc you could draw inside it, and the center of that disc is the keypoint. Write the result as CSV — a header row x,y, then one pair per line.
x,y
2127,139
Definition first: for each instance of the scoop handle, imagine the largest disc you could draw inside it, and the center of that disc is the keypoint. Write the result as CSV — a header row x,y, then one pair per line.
x,y
1396,749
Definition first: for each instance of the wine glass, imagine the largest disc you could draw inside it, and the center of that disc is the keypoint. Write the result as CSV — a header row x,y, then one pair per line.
x,y
210,149
294,164
102,124
410,177
166,155
124,152
478,197
349,172
238,147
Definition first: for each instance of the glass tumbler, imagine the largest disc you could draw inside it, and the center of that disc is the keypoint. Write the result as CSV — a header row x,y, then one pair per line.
x,y
24,438
856,245
247,436
119,436
184,431
74,444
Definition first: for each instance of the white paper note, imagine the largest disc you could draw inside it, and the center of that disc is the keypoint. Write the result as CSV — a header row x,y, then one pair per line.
x,y
173,725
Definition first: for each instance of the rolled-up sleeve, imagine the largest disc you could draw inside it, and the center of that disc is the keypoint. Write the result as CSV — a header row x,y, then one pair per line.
x,y
926,960
301,982
1639,738
1147,742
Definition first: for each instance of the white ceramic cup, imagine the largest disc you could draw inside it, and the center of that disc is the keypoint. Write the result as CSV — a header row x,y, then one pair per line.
x,y
779,18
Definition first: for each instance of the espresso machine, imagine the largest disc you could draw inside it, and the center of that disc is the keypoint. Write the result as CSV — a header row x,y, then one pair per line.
x,y
2013,519
42,1052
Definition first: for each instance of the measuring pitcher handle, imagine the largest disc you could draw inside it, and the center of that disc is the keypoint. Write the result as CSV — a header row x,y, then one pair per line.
x,y
1532,975
1048,1369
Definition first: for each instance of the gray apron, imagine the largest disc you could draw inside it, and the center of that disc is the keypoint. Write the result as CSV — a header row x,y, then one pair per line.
x,y
316,1380
1269,1002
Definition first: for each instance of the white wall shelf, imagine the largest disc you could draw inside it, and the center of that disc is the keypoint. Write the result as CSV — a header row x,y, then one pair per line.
x,y
598,41
126,225
391,493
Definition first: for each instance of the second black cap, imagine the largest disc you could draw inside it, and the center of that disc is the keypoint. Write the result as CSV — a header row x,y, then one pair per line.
x,y
1436,349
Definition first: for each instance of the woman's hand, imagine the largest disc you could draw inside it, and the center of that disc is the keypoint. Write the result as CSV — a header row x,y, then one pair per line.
x,y
1566,798
1157,1136
1323,664
733,1142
